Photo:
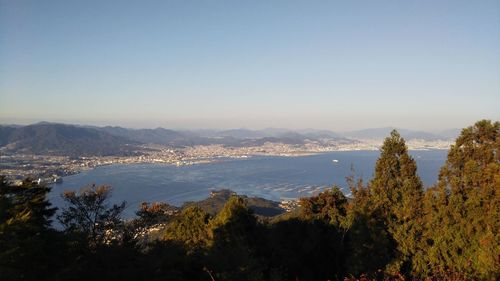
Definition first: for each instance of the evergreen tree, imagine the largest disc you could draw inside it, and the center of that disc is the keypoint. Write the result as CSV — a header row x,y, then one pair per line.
x,y
304,249
329,206
390,208
28,246
234,240
397,192
190,227
462,210
370,246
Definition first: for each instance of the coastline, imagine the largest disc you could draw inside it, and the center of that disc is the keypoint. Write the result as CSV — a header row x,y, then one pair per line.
x,y
49,169
272,177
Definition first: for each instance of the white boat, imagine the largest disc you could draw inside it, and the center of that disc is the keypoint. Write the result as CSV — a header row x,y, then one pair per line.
x,y
335,161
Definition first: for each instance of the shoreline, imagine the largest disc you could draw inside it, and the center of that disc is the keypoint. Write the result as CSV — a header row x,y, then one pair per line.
x,y
52,169
292,177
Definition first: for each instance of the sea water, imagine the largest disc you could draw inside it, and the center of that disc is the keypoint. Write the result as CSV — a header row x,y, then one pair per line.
x,y
274,178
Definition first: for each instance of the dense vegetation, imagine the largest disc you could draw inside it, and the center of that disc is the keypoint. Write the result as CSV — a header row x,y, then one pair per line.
x,y
391,229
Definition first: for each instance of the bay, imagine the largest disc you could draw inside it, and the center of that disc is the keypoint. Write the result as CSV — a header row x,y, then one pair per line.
x,y
274,178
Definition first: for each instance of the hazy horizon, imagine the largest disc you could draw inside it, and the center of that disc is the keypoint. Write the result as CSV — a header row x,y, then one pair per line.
x,y
335,65
194,128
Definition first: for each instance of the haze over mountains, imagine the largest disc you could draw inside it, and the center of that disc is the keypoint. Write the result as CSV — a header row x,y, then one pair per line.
x,y
73,140
380,133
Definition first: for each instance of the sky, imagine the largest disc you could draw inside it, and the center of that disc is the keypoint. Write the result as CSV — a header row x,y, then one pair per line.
x,y
336,65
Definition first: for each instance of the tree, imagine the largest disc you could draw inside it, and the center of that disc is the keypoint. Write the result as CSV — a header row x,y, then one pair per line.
x,y
462,210
396,191
25,204
303,249
189,227
234,237
155,213
329,206
370,246
387,214
89,213
25,234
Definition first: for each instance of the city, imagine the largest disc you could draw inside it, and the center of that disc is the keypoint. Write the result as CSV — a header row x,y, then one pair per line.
x,y
50,169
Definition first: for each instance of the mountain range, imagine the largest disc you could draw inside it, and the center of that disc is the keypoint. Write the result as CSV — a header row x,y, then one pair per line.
x,y
380,133
73,140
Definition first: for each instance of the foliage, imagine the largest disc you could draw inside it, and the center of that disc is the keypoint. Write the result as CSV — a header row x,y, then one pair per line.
x,y
387,213
156,213
25,236
329,206
301,249
462,210
233,248
190,227
370,246
88,213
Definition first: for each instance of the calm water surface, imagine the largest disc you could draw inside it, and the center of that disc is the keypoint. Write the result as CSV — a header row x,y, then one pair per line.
x,y
273,178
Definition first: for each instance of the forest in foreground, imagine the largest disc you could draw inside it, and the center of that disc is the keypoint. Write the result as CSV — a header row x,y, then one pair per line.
x,y
391,228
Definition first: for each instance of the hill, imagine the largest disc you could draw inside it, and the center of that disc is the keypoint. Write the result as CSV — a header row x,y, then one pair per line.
x,y
234,137
61,139
157,136
217,199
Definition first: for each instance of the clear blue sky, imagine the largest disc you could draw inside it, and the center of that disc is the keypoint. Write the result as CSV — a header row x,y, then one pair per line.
x,y
321,64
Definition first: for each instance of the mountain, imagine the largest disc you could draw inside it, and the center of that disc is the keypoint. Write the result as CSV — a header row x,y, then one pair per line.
x,y
320,134
157,136
168,137
61,139
288,137
271,134
233,137
449,134
381,133
5,132
242,134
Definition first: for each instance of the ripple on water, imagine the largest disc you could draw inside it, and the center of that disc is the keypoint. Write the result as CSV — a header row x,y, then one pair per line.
x,y
272,178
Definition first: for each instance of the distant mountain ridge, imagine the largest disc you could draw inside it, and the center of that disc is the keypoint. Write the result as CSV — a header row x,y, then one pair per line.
x,y
233,137
158,135
380,133
73,140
